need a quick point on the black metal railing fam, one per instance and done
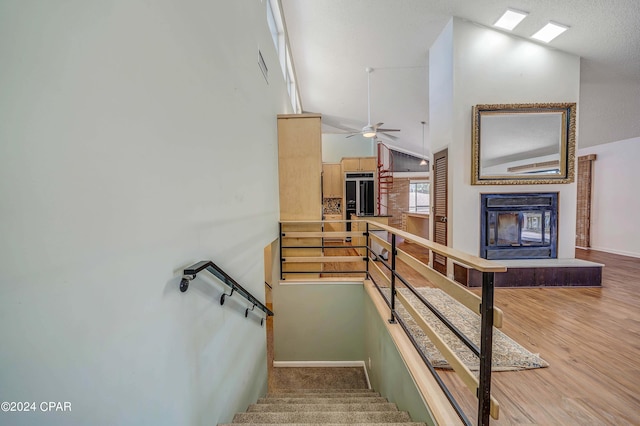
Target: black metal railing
(455, 330)
(322, 246)
(192, 271)
(484, 352)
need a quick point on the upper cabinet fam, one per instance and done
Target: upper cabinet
(331, 180)
(359, 164)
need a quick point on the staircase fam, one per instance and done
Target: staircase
(384, 175)
(324, 406)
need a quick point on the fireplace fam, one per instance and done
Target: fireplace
(519, 226)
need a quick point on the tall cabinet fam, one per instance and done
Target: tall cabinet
(300, 171)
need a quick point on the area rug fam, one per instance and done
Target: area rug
(508, 355)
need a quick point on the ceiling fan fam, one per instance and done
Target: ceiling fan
(370, 131)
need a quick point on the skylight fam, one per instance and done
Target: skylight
(550, 31)
(510, 19)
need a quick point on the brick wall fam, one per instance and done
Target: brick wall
(398, 201)
(583, 219)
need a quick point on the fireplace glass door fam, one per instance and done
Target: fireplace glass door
(515, 229)
(524, 228)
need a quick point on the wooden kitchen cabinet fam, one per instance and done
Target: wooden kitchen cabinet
(368, 164)
(351, 164)
(332, 180)
(333, 226)
(359, 164)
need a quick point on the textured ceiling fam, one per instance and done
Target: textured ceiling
(333, 41)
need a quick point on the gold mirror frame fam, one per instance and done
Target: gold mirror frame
(566, 144)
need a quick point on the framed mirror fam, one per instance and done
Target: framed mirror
(523, 144)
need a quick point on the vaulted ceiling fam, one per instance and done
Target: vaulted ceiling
(334, 41)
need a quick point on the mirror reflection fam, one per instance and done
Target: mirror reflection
(523, 143)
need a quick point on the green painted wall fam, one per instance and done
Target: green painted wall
(387, 371)
(318, 322)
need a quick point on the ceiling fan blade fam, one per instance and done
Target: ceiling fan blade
(388, 130)
(351, 135)
(388, 136)
(341, 123)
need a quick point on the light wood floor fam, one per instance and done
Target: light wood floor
(589, 336)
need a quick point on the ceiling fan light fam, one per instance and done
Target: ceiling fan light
(368, 132)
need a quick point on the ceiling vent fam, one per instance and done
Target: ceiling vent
(263, 66)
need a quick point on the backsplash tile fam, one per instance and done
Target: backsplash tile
(333, 206)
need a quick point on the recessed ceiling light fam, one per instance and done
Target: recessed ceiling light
(510, 19)
(550, 31)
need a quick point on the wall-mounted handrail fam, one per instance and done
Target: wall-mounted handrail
(192, 271)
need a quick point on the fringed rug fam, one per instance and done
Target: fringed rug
(507, 354)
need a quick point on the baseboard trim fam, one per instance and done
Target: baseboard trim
(613, 251)
(366, 375)
(302, 364)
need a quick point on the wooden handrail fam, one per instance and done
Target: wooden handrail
(467, 377)
(323, 259)
(453, 289)
(475, 262)
(319, 234)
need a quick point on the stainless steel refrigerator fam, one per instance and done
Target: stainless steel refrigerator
(360, 194)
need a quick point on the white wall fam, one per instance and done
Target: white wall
(489, 67)
(610, 105)
(441, 76)
(336, 146)
(136, 138)
(616, 199)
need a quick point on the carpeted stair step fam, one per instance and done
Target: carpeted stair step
(325, 390)
(349, 403)
(286, 408)
(324, 394)
(314, 400)
(340, 417)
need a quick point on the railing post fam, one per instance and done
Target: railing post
(392, 320)
(366, 251)
(486, 349)
(280, 237)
